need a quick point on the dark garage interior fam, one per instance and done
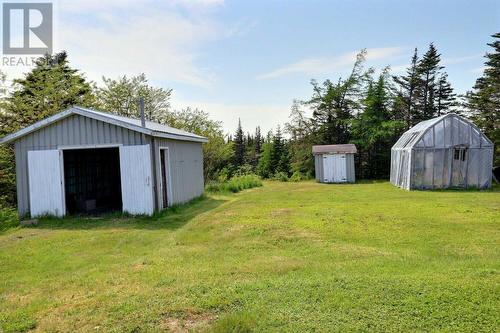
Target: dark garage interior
(92, 180)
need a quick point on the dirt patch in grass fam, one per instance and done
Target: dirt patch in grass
(358, 251)
(142, 264)
(23, 235)
(187, 321)
(282, 212)
(291, 234)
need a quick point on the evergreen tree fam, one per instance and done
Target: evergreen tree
(374, 131)
(407, 92)
(269, 136)
(445, 98)
(278, 148)
(484, 99)
(253, 148)
(7, 165)
(49, 88)
(424, 92)
(284, 162)
(258, 141)
(7, 176)
(428, 68)
(239, 147)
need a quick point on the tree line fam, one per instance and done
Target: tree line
(371, 111)
(368, 109)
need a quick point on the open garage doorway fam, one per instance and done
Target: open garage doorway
(92, 180)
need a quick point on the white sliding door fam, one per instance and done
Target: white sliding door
(137, 187)
(45, 173)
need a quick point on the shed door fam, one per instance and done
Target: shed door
(45, 183)
(339, 168)
(135, 172)
(328, 168)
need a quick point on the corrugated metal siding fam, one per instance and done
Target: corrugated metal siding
(186, 168)
(72, 131)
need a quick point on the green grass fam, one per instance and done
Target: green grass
(286, 257)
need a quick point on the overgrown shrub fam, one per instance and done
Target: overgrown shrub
(235, 184)
(7, 177)
(280, 176)
(8, 218)
(297, 177)
(223, 175)
(245, 169)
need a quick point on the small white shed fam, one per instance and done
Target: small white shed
(334, 163)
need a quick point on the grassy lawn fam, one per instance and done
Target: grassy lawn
(286, 257)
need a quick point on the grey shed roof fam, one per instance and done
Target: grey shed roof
(348, 148)
(151, 128)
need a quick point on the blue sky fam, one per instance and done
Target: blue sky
(250, 59)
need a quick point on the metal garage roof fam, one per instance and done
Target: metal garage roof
(151, 128)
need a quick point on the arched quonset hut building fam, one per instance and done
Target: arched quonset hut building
(447, 151)
(82, 160)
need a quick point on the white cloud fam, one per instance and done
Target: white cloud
(478, 70)
(241, 28)
(79, 6)
(399, 69)
(457, 60)
(251, 115)
(330, 64)
(130, 37)
(87, 5)
(197, 3)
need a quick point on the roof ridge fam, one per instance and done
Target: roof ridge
(154, 129)
(137, 119)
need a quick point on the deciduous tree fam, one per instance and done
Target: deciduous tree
(334, 104)
(121, 96)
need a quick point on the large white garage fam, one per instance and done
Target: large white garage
(82, 161)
